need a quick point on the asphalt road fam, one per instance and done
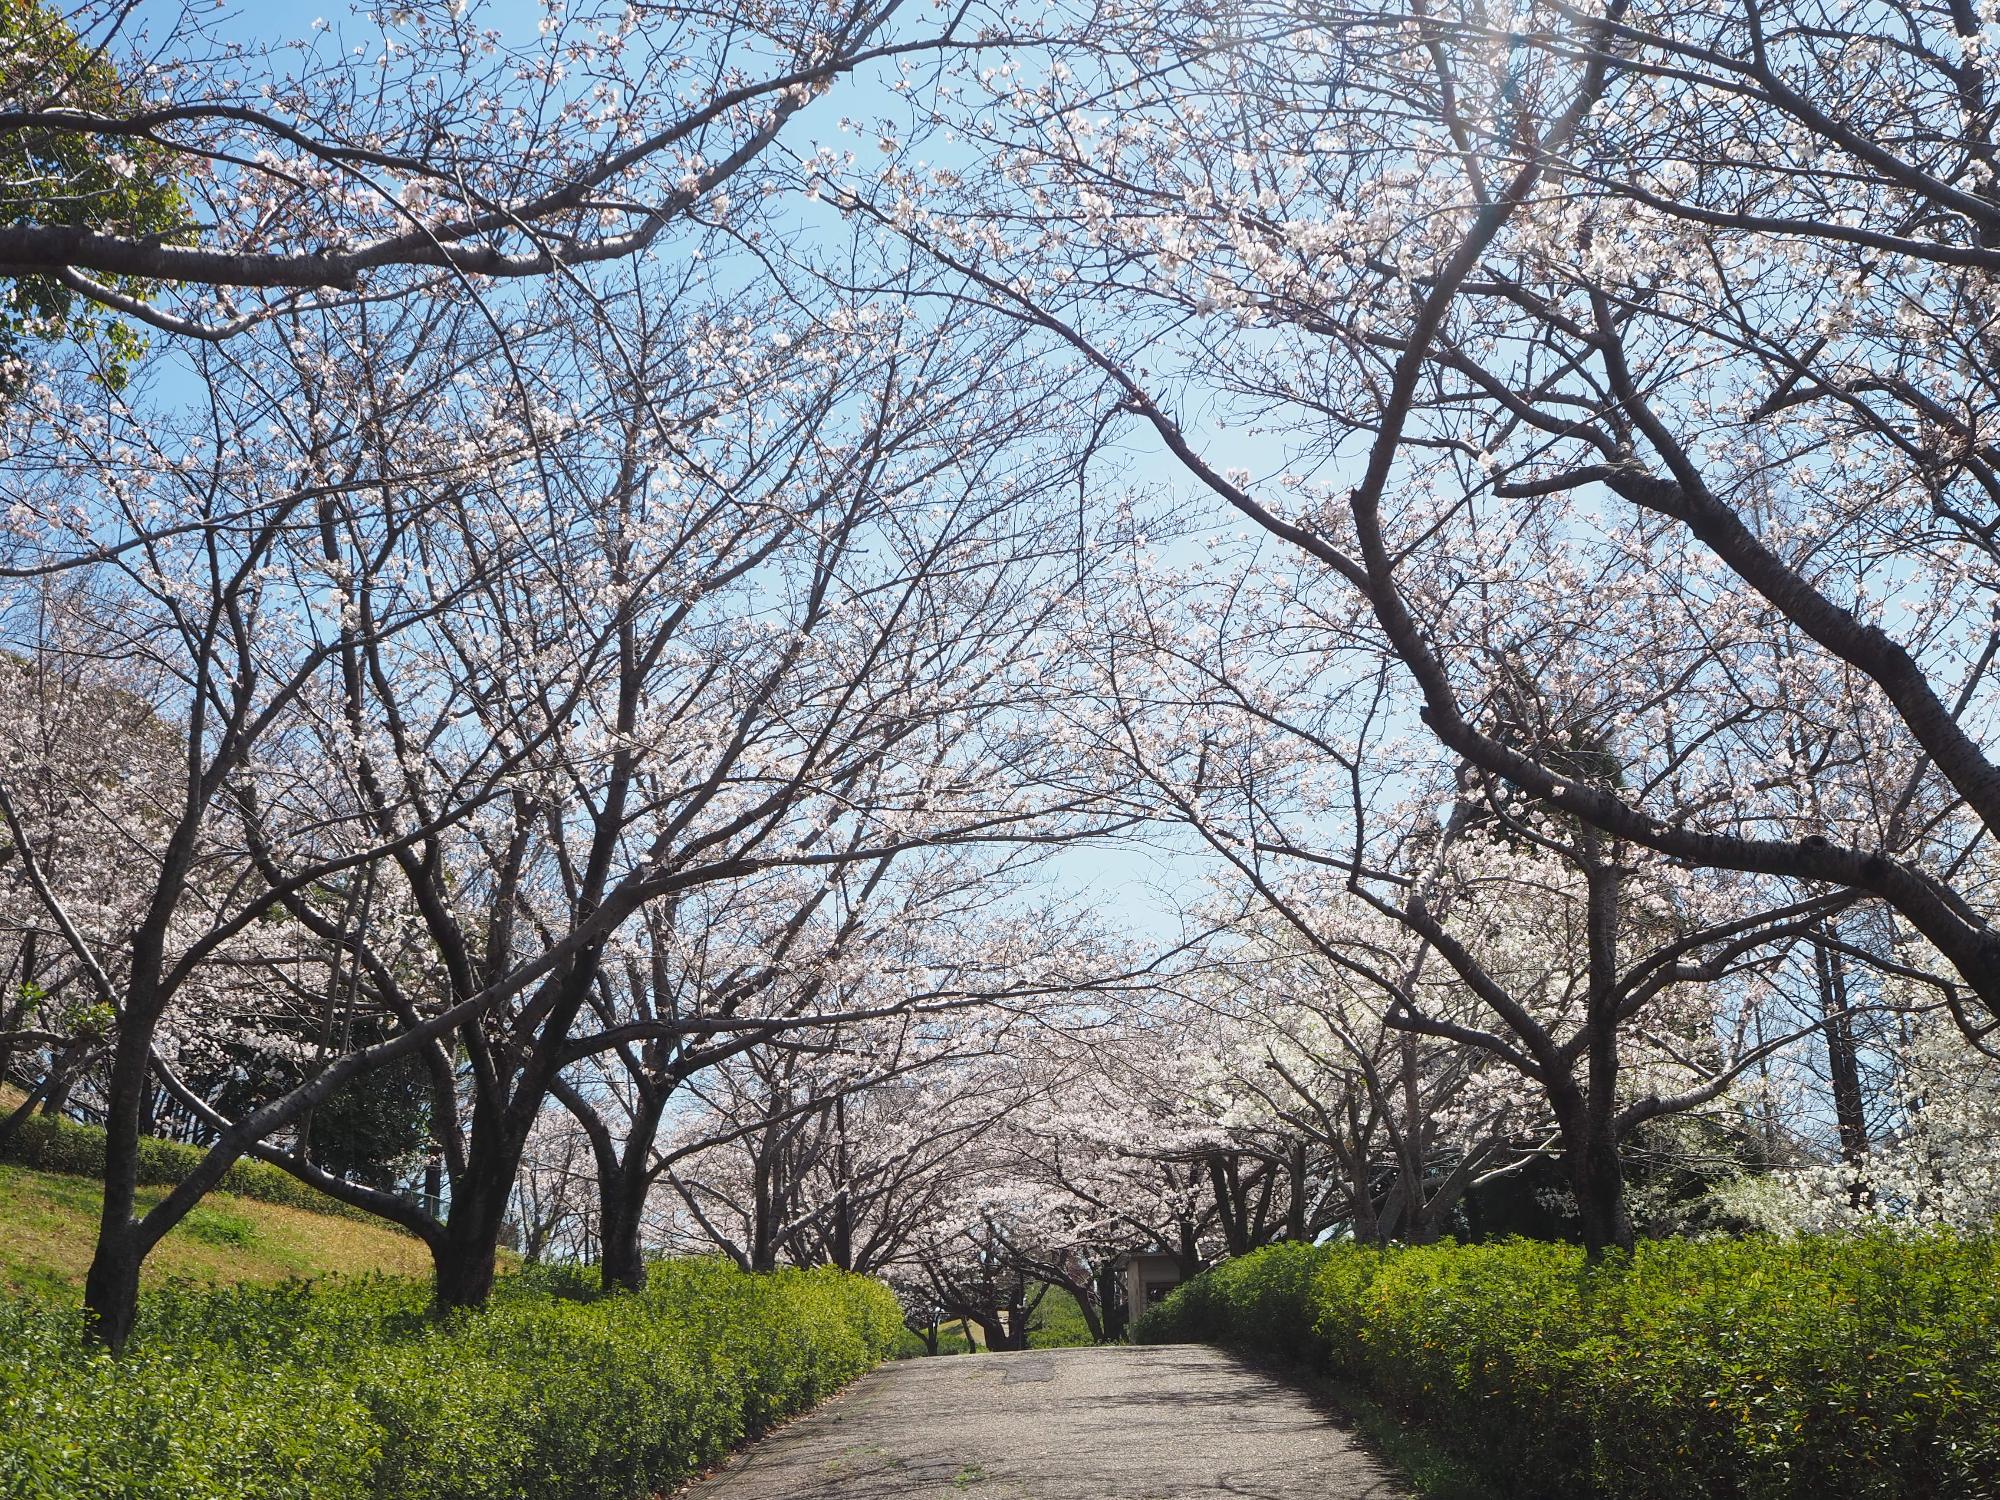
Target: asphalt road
(1173, 1422)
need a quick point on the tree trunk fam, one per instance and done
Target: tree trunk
(1425, 1224)
(1229, 1203)
(56, 1100)
(621, 1208)
(1843, 1061)
(1600, 1199)
(1596, 1177)
(840, 1240)
(1112, 1311)
(1295, 1206)
(764, 1204)
(16, 1118)
(1089, 1306)
(465, 1260)
(466, 1256)
(111, 1289)
(1361, 1206)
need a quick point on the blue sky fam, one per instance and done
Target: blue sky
(1140, 887)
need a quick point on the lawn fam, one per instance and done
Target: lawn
(48, 1224)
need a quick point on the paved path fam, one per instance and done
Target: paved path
(1174, 1422)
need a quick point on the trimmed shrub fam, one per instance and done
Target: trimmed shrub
(346, 1390)
(1759, 1369)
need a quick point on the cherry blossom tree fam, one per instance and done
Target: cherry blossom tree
(1402, 1125)
(491, 634)
(411, 149)
(227, 547)
(92, 776)
(778, 602)
(781, 1007)
(1617, 987)
(840, 1153)
(1555, 382)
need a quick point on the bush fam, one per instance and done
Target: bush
(1865, 1367)
(47, 1143)
(345, 1390)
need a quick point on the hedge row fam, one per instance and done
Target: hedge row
(345, 1390)
(1864, 1367)
(50, 1144)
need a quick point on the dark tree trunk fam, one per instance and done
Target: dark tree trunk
(1295, 1207)
(56, 1100)
(840, 1234)
(1187, 1254)
(1596, 1176)
(1230, 1205)
(1361, 1206)
(1599, 1184)
(16, 1118)
(1843, 1058)
(765, 1199)
(111, 1289)
(1113, 1311)
(840, 1239)
(1425, 1226)
(928, 1332)
(466, 1256)
(465, 1260)
(621, 1208)
(1088, 1304)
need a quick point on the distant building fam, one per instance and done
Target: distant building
(1148, 1276)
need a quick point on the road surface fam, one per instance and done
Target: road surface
(1166, 1422)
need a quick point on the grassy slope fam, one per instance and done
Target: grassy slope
(48, 1228)
(1057, 1323)
(48, 1223)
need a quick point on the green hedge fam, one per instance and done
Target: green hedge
(346, 1390)
(1865, 1367)
(49, 1144)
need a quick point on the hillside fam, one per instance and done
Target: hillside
(48, 1225)
(48, 1222)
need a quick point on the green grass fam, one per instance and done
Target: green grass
(48, 1228)
(1057, 1323)
(52, 1144)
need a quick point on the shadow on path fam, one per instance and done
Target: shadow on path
(1171, 1422)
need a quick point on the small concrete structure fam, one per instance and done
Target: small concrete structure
(1149, 1276)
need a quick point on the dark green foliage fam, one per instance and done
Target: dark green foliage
(49, 1144)
(1866, 1367)
(339, 1391)
(1057, 1322)
(368, 1131)
(72, 178)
